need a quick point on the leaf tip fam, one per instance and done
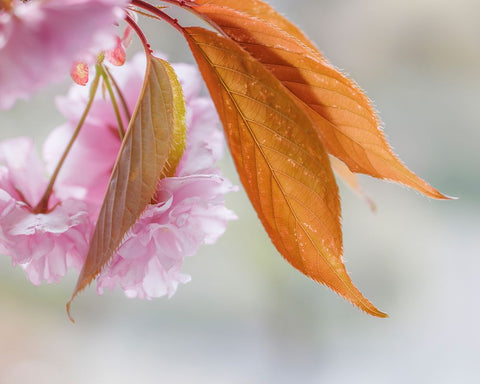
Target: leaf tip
(81, 284)
(437, 195)
(446, 197)
(368, 307)
(351, 293)
(379, 314)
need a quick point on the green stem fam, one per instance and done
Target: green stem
(126, 110)
(108, 85)
(42, 206)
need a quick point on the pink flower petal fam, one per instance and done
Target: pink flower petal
(190, 80)
(148, 262)
(205, 145)
(45, 244)
(117, 55)
(39, 41)
(25, 171)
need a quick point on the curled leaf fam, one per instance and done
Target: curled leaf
(179, 137)
(142, 157)
(280, 159)
(343, 115)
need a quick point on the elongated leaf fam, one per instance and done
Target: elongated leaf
(280, 159)
(142, 158)
(343, 116)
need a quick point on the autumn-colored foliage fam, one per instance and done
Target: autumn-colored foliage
(285, 109)
(281, 161)
(343, 115)
(290, 117)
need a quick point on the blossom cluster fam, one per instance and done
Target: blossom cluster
(189, 208)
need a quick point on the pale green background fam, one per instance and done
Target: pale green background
(247, 316)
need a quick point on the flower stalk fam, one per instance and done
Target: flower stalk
(123, 101)
(42, 206)
(106, 80)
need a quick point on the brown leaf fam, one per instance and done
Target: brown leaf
(280, 159)
(143, 156)
(343, 115)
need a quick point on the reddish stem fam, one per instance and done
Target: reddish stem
(187, 5)
(140, 34)
(180, 3)
(157, 12)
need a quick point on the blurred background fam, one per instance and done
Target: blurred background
(247, 316)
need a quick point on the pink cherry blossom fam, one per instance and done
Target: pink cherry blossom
(45, 244)
(40, 41)
(98, 143)
(192, 212)
(191, 208)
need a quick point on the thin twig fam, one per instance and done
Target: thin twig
(108, 85)
(120, 94)
(42, 206)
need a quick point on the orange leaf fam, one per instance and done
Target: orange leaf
(143, 156)
(280, 159)
(258, 9)
(344, 117)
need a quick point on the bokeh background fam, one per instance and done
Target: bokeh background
(247, 316)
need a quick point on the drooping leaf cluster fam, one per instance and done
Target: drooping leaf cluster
(285, 111)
